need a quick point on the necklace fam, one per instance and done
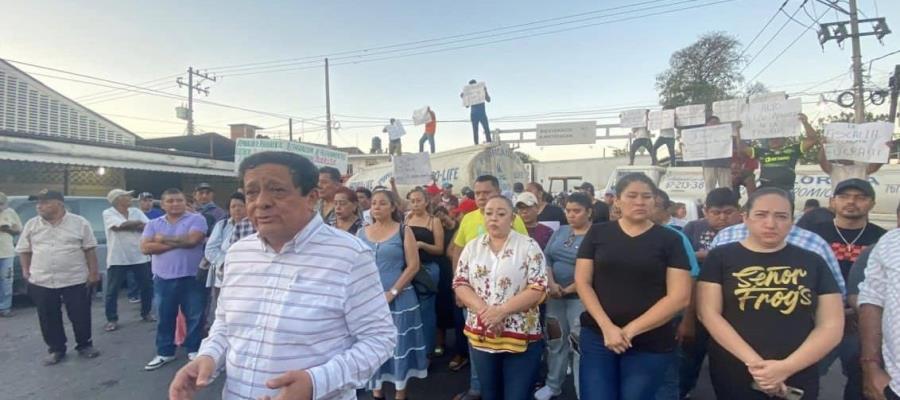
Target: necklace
(850, 244)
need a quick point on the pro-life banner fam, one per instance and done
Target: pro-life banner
(706, 143)
(633, 118)
(692, 115)
(662, 119)
(421, 116)
(771, 119)
(320, 156)
(729, 110)
(858, 142)
(474, 94)
(412, 169)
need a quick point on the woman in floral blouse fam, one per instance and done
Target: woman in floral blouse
(501, 278)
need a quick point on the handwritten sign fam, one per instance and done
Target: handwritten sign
(421, 116)
(729, 110)
(395, 130)
(768, 97)
(771, 119)
(320, 156)
(659, 120)
(707, 143)
(633, 118)
(412, 169)
(692, 115)
(474, 94)
(858, 142)
(566, 133)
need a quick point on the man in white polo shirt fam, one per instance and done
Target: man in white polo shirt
(879, 320)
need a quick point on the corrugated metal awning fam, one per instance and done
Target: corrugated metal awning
(100, 162)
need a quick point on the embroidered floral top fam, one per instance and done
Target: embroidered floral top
(496, 278)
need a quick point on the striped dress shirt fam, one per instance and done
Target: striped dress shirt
(317, 306)
(881, 288)
(799, 237)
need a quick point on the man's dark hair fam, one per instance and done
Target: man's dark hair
(581, 199)
(633, 177)
(472, 82)
(812, 203)
(665, 202)
(364, 191)
(170, 192)
(767, 191)
(332, 172)
(712, 117)
(304, 173)
(489, 178)
(537, 186)
(235, 196)
(722, 197)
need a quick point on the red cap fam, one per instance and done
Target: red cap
(466, 206)
(432, 190)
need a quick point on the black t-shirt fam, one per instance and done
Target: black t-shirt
(600, 213)
(777, 165)
(770, 299)
(815, 217)
(845, 253)
(630, 277)
(553, 213)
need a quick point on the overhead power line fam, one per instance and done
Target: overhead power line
(771, 39)
(791, 44)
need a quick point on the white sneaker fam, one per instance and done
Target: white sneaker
(192, 356)
(157, 362)
(545, 393)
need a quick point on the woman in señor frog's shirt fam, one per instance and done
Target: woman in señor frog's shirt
(773, 309)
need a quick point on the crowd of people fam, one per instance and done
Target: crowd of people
(305, 288)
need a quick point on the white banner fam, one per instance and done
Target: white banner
(659, 120)
(567, 133)
(320, 156)
(768, 97)
(412, 169)
(729, 110)
(474, 94)
(863, 142)
(771, 119)
(692, 115)
(395, 130)
(421, 116)
(633, 118)
(707, 143)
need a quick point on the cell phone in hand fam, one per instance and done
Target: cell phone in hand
(791, 393)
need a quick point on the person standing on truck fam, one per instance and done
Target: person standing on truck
(640, 137)
(841, 170)
(778, 161)
(666, 138)
(717, 172)
(430, 129)
(478, 115)
(395, 132)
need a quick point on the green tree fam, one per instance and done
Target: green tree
(704, 72)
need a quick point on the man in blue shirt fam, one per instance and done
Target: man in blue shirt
(145, 200)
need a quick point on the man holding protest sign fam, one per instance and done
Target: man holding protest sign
(430, 128)
(474, 96)
(716, 172)
(778, 161)
(640, 137)
(395, 132)
(853, 151)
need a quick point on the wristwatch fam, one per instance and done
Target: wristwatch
(394, 292)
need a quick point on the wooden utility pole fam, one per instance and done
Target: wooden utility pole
(327, 103)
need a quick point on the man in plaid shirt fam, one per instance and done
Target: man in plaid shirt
(242, 229)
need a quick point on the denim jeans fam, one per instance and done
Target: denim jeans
(508, 376)
(427, 305)
(480, 117)
(134, 290)
(115, 277)
(426, 138)
(633, 375)
(681, 377)
(189, 295)
(474, 383)
(6, 283)
(567, 313)
(849, 352)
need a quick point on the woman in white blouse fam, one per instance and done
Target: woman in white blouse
(501, 279)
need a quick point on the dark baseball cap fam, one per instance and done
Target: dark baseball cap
(855, 183)
(204, 186)
(46, 194)
(145, 195)
(587, 187)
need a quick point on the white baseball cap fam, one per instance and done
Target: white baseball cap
(115, 193)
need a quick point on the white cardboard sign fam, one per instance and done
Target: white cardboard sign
(772, 119)
(633, 118)
(421, 116)
(707, 143)
(662, 119)
(567, 133)
(412, 169)
(474, 94)
(320, 156)
(729, 110)
(767, 97)
(692, 115)
(395, 131)
(858, 142)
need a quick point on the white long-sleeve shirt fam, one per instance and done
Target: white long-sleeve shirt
(881, 288)
(318, 306)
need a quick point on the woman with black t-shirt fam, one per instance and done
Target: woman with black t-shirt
(548, 214)
(633, 276)
(773, 309)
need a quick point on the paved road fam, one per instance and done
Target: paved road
(118, 373)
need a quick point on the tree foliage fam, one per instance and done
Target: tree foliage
(704, 72)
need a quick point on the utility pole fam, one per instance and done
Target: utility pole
(290, 129)
(327, 103)
(895, 91)
(859, 106)
(191, 88)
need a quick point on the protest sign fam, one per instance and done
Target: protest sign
(421, 116)
(858, 142)
(633, 118)
(771, 119)
(474, 94)
(395, 130)
(692, 115)
(566, 133)
(659, 120)
(412, 169)
(706, 143)
(767, 97)
(729, 110)
(320, 156)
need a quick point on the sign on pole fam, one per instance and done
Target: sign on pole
(412, 169)
(707, 143)
(474, 94)
(659, 120)
(633, 118)
(421, 116)
(858, 142)
(767, 97)
(320, 156)
(771, 119)
(692, 115)
(567, 133)
(729, 110)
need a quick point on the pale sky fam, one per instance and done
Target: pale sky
(587, 73)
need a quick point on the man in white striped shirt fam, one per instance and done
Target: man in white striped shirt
(879, 320)
(302, 314)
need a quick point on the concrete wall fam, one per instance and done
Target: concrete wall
(593, 170)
